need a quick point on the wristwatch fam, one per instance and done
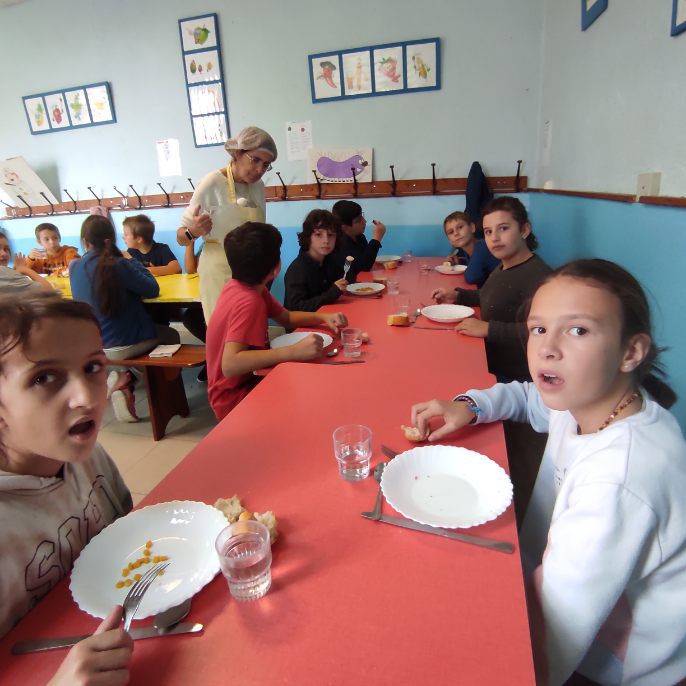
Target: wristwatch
(189, 235)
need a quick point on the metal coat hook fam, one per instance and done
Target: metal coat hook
(52, 207)
(72, 199)
(352, 169)
(14, 209)
(285, 190)
(93, 194)
(126, 199)
(319, 183)
(165, 194)
(519, 166)
(189, 181)
(140, 202)
(27, 205)
(433, 178)
(394, 185)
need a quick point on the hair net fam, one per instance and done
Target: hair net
(252, 138)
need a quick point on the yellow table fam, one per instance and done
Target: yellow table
(175, 288)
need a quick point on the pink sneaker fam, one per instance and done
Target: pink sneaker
(124, 403)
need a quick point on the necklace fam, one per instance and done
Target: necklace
(617, 410)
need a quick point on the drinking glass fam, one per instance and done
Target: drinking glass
(352, 342)
(407, 256)
(352, 445)
(393, 286)
(245, 558)
(401, 304)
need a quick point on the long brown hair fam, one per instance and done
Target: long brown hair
(635, 316)
(98, 235)
(507, 203)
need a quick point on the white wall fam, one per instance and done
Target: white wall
(486, 110)
(615, 96)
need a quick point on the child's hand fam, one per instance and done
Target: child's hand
(443, 295)
(379, 230)
(36, 254)
(473, 327)
(455, 415)
(335, 320)
(102, 658)
(309, 348)
(19, 260)
(202, 223)
(341, 284)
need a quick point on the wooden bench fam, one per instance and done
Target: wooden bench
(164, 384)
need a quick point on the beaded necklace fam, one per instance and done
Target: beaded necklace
(617, 410)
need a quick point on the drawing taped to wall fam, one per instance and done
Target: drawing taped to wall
(337, 165)
(357, 72)
(198, 33)
(388, 63)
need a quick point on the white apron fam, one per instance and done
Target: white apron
(213, 268)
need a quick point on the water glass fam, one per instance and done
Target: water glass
(393, 286)
(401, 304)
(352, 342)
(245, 558)
(352, 445)
(407, 256)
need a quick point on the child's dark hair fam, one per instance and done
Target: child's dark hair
(253, 250)
(635, 314)
(507, 203)
(19, 314)
(318, 219)
(457, 217)
(141, 226)
(47, 226)
(98, 235)
(346, 211)
(4, 235)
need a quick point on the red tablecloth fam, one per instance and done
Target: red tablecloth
(352, 601)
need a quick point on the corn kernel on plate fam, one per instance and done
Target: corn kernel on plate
(182, 531)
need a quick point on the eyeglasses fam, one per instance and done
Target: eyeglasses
(257, 162)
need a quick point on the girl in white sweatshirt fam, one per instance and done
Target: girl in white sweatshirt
(604, 537)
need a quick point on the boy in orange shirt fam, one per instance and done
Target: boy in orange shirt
(51, 257)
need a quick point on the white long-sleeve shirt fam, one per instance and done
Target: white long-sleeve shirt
(604, 540)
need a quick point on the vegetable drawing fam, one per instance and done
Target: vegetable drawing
(333, 170)
(328, 69)
(420, 67)
(388, 66)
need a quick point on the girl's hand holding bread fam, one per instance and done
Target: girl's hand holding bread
(455, 415)
(443, 295)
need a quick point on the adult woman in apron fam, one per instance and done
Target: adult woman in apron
(223, 200)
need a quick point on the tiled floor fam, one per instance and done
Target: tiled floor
(144, 462)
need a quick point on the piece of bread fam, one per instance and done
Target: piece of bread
(364, 336)
(390, 265)
(447, 263)
(230, 507)
(398, 320)
(380, 279)
(412, 433)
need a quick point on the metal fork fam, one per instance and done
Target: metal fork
(136, 593)
(346, 267)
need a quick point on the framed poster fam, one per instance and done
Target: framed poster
(389, 74)
(357, 72)
(198, 33)
(37, 114)
(678, 16)
(422, 65)
(325, 76)
(590, 11)
(77, 104)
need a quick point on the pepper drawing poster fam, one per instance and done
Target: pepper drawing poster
(388, 69)
(326, 77)
(357, 72)
(336, 165)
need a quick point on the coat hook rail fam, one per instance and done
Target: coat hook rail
(27, 205)
(165, 194)
(285, 189)
(191, 182)
(140, 202)
(94, 195)
(319, 183)
(52, 207)
(125, 200)
(72, 199)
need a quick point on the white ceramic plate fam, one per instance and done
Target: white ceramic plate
(447, 314)
(183, 530)
(452, 269)
(388, 258)
(443, 485)
(362, 288)
(291, 338)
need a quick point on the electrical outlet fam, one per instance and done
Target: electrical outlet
(648, 184)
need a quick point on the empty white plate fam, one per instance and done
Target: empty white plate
(291, 338)
(447, 314)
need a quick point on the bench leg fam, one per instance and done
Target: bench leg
(166, 397)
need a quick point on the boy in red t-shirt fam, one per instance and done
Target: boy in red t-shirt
(237, 332)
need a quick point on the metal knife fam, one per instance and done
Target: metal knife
(434, 328)
(343, 362)
(500, 546)
(24, 647)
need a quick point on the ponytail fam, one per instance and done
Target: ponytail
(98, 234)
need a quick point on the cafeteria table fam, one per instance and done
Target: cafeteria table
(353, 601)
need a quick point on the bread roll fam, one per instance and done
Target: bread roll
(398, 320)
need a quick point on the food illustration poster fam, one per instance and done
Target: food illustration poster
(37, 114)
(17, 178)
(206, 99)
(78, 107)
(335, 166)
(326, 76)
(210, 130)
(99, 102)
(57, 111)
(421, 65)
(357, 72)
(199, 32)
(388, 69)
(202, 66)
